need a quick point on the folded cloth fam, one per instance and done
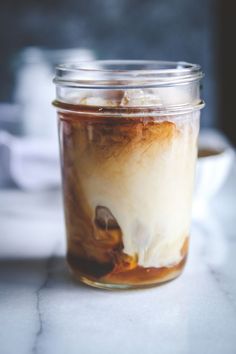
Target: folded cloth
(29, 163)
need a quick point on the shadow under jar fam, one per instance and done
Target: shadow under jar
(128, 138)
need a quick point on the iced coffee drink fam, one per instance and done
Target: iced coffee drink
(128, 142)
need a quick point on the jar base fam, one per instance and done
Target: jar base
(122, 286)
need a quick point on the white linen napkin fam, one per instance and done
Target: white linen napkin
(30, 163)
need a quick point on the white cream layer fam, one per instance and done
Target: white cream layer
(149, 194)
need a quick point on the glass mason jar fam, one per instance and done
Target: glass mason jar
(128, 137)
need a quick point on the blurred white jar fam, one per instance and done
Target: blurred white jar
(34, 91)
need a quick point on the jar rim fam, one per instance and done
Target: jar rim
(125, 74)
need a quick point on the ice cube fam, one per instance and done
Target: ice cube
(174, 96)
(140, 98)
(104, 218)
(95, 101)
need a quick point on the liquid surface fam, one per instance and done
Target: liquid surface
(208, 152)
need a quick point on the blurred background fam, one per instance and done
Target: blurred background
(36, 35)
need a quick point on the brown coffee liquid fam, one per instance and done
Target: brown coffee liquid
(95, 246)
(208, 152)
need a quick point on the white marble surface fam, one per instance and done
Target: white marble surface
(42, 310)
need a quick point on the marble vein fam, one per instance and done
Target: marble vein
(39, 312)
(214, 273)
(218, 280)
